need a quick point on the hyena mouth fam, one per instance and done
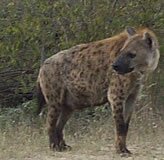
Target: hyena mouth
(125, 71)
(131, 69)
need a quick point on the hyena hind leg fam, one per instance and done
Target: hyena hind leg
(57, 118)
(52, 117)
(63, 118)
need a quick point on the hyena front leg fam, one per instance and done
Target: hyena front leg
(129, 106)
(117, 101)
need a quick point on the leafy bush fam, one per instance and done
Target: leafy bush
(12, 117)
(32, 30)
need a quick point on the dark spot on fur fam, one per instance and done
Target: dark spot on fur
(48, 97)
(100, 51)
(97, 70)
(114, 116)
(113, 91)
(119, 103)
(51, 98)
(48, 80)
(89, 65)
(53, 106)
(83, 48)
(121, 91)
(119, 110)
(46, 86)
(67, 60)
(45, 73)
(88, 51)
(51, 116)
(115, 85)
(115, 98)
(120, 97)
(52, 75)
(99, 45)
(111, 83)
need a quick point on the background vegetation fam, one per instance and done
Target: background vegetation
(32, 30)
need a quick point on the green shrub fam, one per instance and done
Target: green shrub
(32, 30)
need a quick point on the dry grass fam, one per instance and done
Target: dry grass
(92, 142)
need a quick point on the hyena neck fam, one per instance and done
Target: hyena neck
(138, 77)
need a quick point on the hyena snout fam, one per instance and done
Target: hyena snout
(122, 65)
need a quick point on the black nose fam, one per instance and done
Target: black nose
(115, 67)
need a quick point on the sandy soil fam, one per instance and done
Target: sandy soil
(88, 143)
(151, 148)
(141, 153)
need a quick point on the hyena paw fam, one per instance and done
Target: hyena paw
(124, 152)
(60, 147)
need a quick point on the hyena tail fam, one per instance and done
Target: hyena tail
(40, 100)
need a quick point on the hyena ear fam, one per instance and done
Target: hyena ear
(148, 38)
(130, 31)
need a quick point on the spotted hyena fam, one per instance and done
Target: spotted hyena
(110, 70)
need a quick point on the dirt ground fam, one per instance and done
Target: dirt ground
(89, 141)
(141, 152)
(29, 145)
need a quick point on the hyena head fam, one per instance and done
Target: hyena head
(140, 53)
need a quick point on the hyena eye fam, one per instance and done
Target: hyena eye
(131, 55)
